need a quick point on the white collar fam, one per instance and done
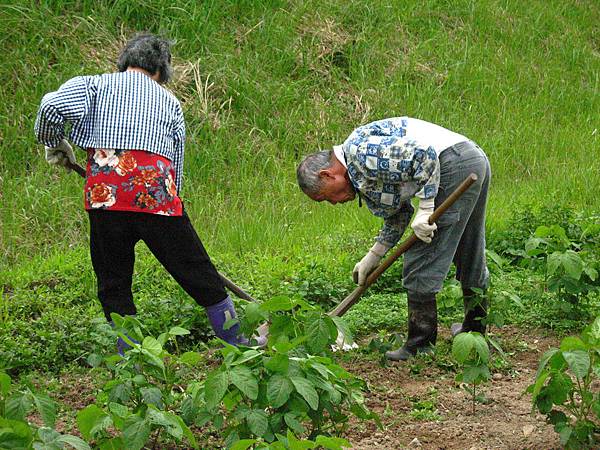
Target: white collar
(339, 154)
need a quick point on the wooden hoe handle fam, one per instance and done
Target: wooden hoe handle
(345, 304)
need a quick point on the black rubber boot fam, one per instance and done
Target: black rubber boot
(475, 310)
(422, 327)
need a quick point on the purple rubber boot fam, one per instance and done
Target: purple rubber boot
(218, 315)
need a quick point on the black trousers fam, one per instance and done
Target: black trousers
(174, 242)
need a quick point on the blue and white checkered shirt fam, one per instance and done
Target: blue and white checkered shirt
(123, 111)
(393, 160)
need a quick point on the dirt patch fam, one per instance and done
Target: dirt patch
(448, 421)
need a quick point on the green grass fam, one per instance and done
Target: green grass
(265, 82)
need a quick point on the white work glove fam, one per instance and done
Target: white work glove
(370, 261)
(420, 223)
(60, 154)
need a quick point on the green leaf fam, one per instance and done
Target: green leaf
(298, 444)
(595, 328)
(17, 406)
(73, 441)
(14, 434)
(291, 420)
(462, 345)
(91, 420)
(319, 334)
(332, 443)
(258, 421)
(190, 358)
(481, 347)
(558, 388)
(215, 387)
(94, 359)
(112, 444)
(178, 331)
(243, 378)
(343, 328)
(307, 391)
(248, 355)
(243, 444)
(4, 384)
(152, 396)
(136, 432)
(278, 363)
(279, 389)
(572, 343)
(278, 303)
(578, 361)
(46, 407)
(573, 264)
(166, 420)
(152, 345)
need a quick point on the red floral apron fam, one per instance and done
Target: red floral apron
(131, 180)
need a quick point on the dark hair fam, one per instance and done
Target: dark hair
(148, 52)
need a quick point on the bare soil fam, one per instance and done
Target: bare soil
(504, 422)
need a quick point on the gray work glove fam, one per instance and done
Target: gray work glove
(370, 261)
(420, 223)
(60, 154)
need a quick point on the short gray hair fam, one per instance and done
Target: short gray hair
(148, 52)
(308, 170)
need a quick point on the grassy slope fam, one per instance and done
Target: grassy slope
(264, 82)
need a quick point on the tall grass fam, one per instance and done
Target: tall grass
(264, 82)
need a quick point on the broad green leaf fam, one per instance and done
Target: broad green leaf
(291, 420)
(152, 396)
(136, 432)
(462, 345)
(332, 443)
(14, 434)
(298, 444)
(307, 391)
(94, 359)
(178, 331)
(152, 345)
(215, 387)
(243, 378)
(544, 360)
(116, 443)
(4, 384)
(278, 363)
(248, 355)
(595, 328)
(319, 335)
(481, 347)
(343, 328)
(73, 441)
(572, 343)
(187, 433)
(578, 361)
(279, 389)
(91, 420)
(17, 406)
(258, 421)
(243, 444)
(167, 421)
(190, 358)
(46, 407)
(278, 303)
(558, 388)
(152, 358)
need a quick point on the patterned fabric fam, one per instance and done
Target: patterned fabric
(124, 110)
(131, 180)
(391, 161)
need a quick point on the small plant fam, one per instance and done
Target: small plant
(17, 432)
(142, 400)
(292, 386)
(563, 388)
(472, 351)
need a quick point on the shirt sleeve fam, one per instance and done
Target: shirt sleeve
(179, 145)
(69, 103)
(395, 222)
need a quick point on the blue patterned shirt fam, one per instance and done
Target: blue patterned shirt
(391, 161)
(121, 111)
